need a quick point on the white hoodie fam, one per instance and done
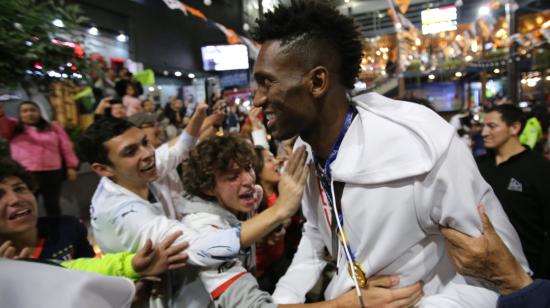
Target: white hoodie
(406, 172)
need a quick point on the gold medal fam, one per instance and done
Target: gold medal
(360, 275)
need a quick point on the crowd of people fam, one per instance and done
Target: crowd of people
(379, 201)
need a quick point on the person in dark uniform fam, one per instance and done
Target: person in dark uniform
(521, 181)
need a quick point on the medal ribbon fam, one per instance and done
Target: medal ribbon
(337, 220)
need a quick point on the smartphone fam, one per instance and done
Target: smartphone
(213, 91)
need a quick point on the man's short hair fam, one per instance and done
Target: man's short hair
(92, 142)
(317, 34)
(214, 155)
(9, 167)
(509, 114)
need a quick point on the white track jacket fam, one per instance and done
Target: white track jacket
(406, 172)
(123, 221)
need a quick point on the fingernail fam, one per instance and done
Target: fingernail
(394, 280)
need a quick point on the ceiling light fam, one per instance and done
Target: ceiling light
(93, 31)
(121, 38)
(484, 11)
(191, 75)
(177, 74)
(58, 23)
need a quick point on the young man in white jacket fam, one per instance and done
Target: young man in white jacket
(387, 173)
(133, 201)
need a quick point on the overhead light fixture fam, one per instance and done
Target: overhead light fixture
(431, 76)
(191, 75)
(496, 71)
(93, 31)
(58, 23)
(468, 58)
(484, 11)
(458, 74)
(207, 2)
(151, 89)
(523, 104)
(532, 82)
(121, 38)
(177, 74)
(165, 72)
(474, 46)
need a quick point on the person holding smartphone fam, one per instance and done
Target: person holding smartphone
(110, 107)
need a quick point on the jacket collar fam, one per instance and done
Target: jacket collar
(390, 140)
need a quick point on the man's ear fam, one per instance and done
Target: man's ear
(319, 81)
(515, 128)
(102, 170)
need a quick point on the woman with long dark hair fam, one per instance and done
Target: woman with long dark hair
(44, 149)
(271, 262)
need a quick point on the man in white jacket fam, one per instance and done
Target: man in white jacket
(387, 173)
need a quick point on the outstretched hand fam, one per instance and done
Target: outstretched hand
(292, 182)
(8, 251)
(153, 261)
(201, 108)
(253, 117)
(485, 257)
(380, 293)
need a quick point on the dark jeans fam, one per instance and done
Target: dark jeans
(48, 184)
